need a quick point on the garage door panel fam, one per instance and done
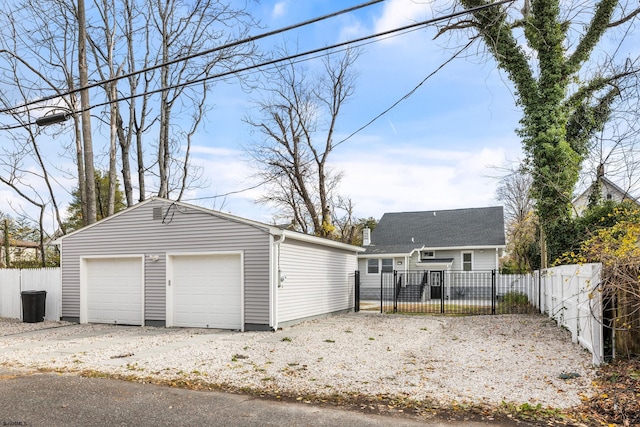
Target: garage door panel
(114, 290)
(207, 291)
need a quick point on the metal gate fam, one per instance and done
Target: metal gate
(450, 292)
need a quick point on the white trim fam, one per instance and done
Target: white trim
(385, 255)
(410, 254)
(262, 226)
(445, 265)
(317, 240)
(432, 256)
(462, 253)
(84, 314)
(169, 276)
(274, 278)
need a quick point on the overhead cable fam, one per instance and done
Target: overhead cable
(195, 55)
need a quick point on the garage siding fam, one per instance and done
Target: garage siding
(183, 229)
(317, 280)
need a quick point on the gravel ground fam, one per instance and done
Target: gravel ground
(445, 360)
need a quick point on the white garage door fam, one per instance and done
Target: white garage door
(205, 291)
(114, 290)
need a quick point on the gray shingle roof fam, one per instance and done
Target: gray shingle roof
(402, 232)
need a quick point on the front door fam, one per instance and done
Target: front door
(435, 281)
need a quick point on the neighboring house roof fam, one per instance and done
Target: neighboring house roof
(404, 232)
(272, 229)
(610, 191)
(23, 244)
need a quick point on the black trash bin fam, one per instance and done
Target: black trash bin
(33, 303)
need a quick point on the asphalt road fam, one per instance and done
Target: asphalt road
(49, 400)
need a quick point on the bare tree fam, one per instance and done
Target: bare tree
(87, 138)
(514, 191)
(106, 51)
(615, 152)
(297, 120)
(174, 41)
(23, 163)
(42, 48)
(183, 29)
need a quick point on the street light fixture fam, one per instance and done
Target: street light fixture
(52, 119)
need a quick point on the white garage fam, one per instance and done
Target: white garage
(205, 290)
(112, 290)
(168, 263)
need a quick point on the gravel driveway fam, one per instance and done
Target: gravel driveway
(444, 360)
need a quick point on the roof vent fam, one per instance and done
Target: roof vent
(157, 213)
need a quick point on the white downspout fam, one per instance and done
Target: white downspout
(275, 281)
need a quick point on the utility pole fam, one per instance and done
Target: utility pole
(89, 203)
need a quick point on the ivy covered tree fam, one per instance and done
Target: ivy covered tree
(545, 47)
(75, 212)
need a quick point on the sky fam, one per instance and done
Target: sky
(442, 148)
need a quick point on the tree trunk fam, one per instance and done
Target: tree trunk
(7, 244)
(89, 171)
(544, 262)
(113, 177)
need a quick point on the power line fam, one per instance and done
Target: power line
(395, 104)
(195, 55)
(307, 53)
(407, 95)
(394, 31)
(267, 63)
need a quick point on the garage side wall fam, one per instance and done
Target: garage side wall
(314, 280)
(176, 229)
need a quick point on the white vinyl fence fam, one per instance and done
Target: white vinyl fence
(570, 295)
(528, 284)
(14, 281)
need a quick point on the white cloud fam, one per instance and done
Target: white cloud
(279, 9)
(398, 13)
(396, 180)
(378, 178)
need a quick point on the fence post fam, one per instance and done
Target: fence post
(356, 299)
(395, 291)
(381, 291)
(493, 292)
(442, 279)
(539, 292)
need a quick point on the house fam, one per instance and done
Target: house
(609, 191)
(169, 263)
(20, 251)
(431, 243)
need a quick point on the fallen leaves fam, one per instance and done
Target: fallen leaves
(617, 402)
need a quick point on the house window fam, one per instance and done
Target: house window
(372, 266)
(467, 261)
(427, 254)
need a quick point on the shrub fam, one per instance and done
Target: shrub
(514, 302)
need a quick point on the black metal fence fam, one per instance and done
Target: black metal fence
(450, 292)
